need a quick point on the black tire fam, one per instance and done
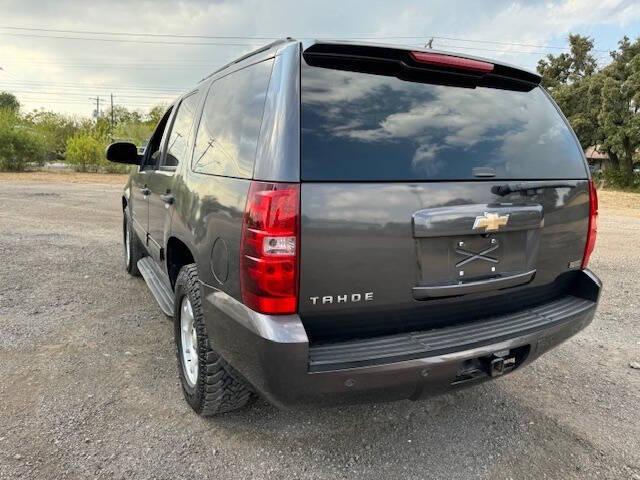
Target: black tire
(217, 389)
(135, 252)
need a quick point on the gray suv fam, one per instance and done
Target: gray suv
(332, 222)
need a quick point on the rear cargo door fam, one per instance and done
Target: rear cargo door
(429, 203)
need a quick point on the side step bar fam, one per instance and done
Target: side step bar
(158, 283)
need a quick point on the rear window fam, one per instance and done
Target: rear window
(364, 127)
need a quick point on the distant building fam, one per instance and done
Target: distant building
(597, 160)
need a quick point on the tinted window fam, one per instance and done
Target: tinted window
(179, 136)
(358, 126)
(228, 132)
(152, 151)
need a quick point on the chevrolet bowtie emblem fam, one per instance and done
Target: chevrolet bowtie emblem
(490, 221)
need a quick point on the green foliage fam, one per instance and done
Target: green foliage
(55, 129)
(135, 132)
(32, 139)
(123, 115)
(567, 68)
(20, 146)
(617, 179)
(155, 115)
(85, 153)
(601, 105)
(8, 101)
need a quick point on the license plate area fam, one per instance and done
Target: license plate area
(455, 249)
(474, 257)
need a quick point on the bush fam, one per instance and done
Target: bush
(19, 146)
(55, 129)
(137, 133)
(111, 167)
(616, 179)
(85, 153)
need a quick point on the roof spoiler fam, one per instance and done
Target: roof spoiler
(419, 65)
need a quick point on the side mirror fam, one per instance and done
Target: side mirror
(123, 152)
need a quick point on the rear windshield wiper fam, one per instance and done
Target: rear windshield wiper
(528, 187)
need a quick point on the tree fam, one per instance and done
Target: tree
(571, 67)
(19, 145)
(9, 101)
(618, 117)
(568, 77)
(602, 106)
(55, 130)
(122, 114)
(156, 114)
(85, 152)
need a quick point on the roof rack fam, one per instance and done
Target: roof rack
(250, 54)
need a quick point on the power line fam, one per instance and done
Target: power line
(127, 60)
(79, 100)
(73, 94)
(492, 50)
(118, 40)
(142, 67)
(266, 38)
(103, 64)
(83, 102)
(514, 43)
(138, 34)
(75, 85)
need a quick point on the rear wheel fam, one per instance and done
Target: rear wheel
(132, 248)
(207, 382)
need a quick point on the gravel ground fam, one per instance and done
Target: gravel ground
(89, 383)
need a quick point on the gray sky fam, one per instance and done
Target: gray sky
(62, 73)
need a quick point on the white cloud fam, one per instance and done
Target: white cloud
(29, 59)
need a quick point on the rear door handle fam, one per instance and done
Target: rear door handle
(168, 198)
(145, 191)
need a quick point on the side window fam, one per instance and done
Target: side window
(152, 150)
(228, 133)
(179, 135)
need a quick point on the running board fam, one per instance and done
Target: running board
(158, 283)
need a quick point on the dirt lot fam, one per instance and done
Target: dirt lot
(89, 384)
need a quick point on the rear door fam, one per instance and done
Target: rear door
(408, 218)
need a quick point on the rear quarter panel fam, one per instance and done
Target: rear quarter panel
(210, 209)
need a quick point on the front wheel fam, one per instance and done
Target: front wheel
(207, 382)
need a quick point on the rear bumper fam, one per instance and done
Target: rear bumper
(273, 353)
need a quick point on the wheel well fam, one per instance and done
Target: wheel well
(178, 255)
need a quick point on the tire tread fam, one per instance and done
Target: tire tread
(218, 389)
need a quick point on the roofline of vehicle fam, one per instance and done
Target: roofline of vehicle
(305, 44)
(270, 46)
(309, 43)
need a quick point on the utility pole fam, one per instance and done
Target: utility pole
(97, 99)
(112, 119)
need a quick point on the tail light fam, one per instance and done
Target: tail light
(593, 224)
(461, 63)
(269, 248)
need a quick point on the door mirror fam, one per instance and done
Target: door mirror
(123, 152)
